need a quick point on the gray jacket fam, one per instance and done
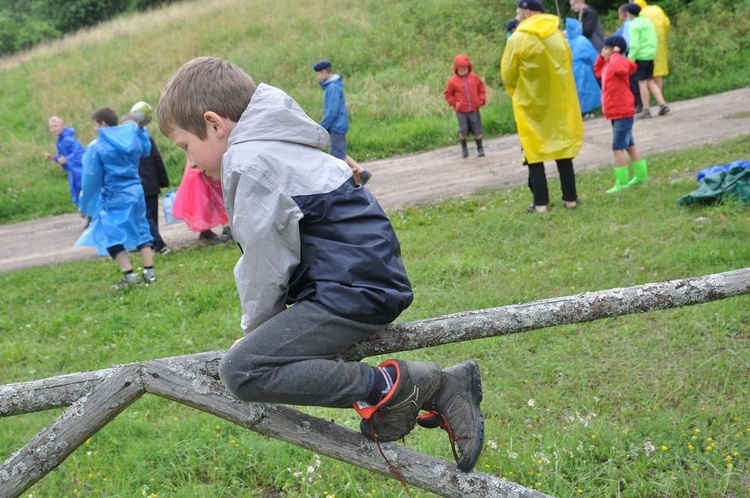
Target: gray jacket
(306, 229)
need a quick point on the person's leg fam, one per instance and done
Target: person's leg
(464, 127)
(477, 130)
(288, 360)
(120, 256)
(636, 93)
(147, 256)
(655, 89)
(291, 359)
(645, 97)
(152, 215)
(640, 166)
(538, 186)
(567, 182)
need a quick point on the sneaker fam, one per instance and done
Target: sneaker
(164, 250)
(226, 235)
(644, 114)
(456, 410)
(589, 116)
(127, 281)
(149, 276)
(480, 152)
(395, 415)
(663, 110)
(364, 177)
(209, 236)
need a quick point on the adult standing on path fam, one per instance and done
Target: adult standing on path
(590, 23)
(538, 75)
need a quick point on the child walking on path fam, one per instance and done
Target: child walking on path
(336, 117)
(466, 94)
(615, 70)
(112, 195)
(321, 265)
(69, 155)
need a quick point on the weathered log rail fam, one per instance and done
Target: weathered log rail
(95, 398)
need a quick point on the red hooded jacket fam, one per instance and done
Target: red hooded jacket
(466, 91)
(617, 99)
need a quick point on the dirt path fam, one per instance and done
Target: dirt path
(430, 176)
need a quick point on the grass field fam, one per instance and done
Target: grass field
(638, 406)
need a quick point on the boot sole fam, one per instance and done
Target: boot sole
(466, 463)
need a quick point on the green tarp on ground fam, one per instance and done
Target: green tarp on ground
(720, 182)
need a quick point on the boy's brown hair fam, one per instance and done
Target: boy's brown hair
(105, 115)
(201, 85)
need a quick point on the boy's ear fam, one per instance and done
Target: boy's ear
(216, 124)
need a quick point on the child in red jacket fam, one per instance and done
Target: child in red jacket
(465, 93)
(614, 70)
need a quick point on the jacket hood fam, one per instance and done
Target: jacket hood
(67, 132)
(541, 25)
(334, 78)
(274, 115)
(461, 60)
(573, 28)
(123, 137)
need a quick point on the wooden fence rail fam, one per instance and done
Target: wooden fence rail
(95, 398)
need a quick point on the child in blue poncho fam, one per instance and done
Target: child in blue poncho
(112, 194)
(69, 155)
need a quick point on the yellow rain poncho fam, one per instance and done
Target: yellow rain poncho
(537, 72)
(661, 23)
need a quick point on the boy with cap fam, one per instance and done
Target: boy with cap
(615, 70)
(335, 117)
(321, 266)
(643, 47)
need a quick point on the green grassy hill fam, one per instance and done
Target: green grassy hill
(395, 62)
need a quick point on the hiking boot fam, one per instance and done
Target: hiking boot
(149, 276)
(209, 236)
(480, 151)
(396, 414)
(644, 114)
(464, 151)
(456, 410)
(127, 281)
(663, 110)
(364, 177)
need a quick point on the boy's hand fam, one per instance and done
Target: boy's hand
(49, 157)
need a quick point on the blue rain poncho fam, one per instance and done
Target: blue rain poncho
(584, 55)
(112, 193)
